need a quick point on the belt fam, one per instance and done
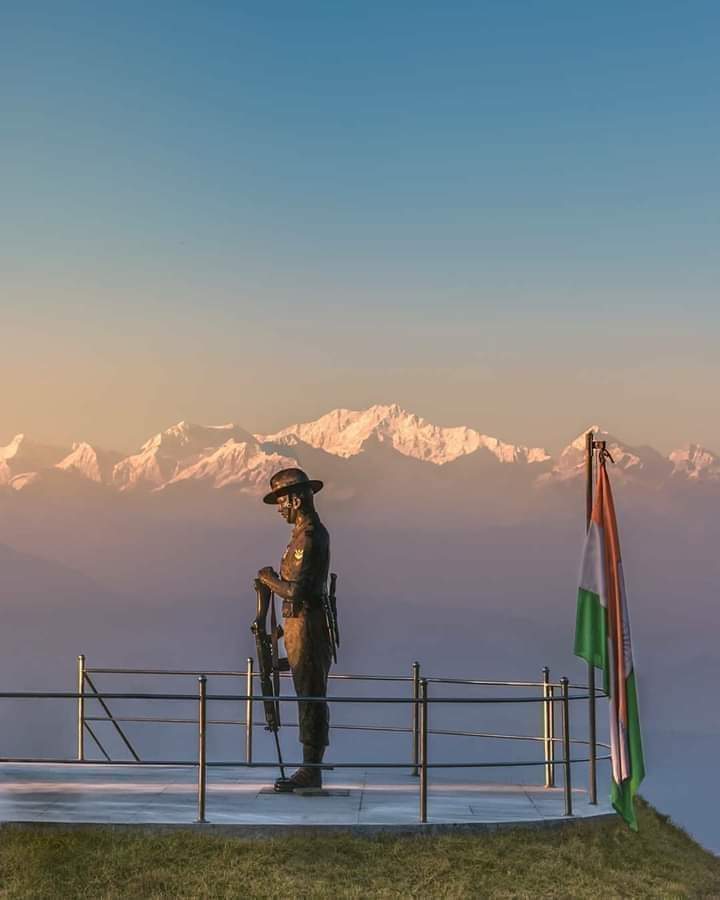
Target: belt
(292, 608)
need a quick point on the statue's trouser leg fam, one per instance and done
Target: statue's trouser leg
(309, 656)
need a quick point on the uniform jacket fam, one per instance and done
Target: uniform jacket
(305, 565)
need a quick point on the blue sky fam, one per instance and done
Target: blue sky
(501, 214)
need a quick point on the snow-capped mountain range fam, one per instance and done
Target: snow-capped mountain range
(222, 456)
(344, 432)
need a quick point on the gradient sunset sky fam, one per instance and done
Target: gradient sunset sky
(500, 214)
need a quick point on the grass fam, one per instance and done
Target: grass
(602, 860)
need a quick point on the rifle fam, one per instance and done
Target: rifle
(331, 621)
(269, 666)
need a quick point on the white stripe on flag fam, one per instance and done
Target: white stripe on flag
(592, 574)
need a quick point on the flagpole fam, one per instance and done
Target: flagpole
(592, 730)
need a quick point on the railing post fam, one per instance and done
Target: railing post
(249, 712)
(415, 717)
(592, 738)
(548, 729)
(566, 744)
(202, 747)
(81, 708)
(423, 748)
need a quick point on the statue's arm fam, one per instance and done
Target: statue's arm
(270, 578)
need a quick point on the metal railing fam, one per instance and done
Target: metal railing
(546, 692)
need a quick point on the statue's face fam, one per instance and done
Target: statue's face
(288, 507)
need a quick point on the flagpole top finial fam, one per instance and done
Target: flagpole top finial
(603, 452)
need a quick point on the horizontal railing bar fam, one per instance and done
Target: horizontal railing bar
(219, 673)
(471, 682)
(397, 765)
(190, 672)
(68, 695)
(62, 761)
(156, 721)
(291, 698)
(111, 695)
(339, 676)
(272, 764)
(505, 737)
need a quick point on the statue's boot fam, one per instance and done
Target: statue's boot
(306, 776)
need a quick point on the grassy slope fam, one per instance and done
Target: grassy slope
(604, 860)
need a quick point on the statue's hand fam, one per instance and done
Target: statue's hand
(267, 572)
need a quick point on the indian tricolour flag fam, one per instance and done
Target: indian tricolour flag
(602, 637)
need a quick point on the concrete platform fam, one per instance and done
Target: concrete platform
(376, 800)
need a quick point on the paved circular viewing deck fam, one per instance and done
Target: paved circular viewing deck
(357, 800)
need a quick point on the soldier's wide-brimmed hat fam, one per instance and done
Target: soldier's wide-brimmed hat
(285, 480)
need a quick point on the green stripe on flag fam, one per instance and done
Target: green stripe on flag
(591, 631)
(622, 795)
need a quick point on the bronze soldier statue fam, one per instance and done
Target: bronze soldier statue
(302, 585)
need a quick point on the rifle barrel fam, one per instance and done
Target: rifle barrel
(266, 669)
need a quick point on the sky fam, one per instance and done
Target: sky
(499, 214)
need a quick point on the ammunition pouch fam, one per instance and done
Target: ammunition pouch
(291, 609)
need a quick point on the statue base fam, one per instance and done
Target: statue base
(307, 792)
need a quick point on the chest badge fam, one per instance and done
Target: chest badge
(299, 554)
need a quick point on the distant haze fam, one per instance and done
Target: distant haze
(67, 400)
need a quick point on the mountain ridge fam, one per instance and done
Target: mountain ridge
(343, 432)
(228, 456)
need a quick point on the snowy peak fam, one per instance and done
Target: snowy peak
(166, 454)
(628, 461)
(579, 443)
(241, 464)
(344, 432)
(696, 463)
(185, 438)
(23, 455)
(10, 451)
(341, 432)
(147, 469)
(571, 463)
(89, 462)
